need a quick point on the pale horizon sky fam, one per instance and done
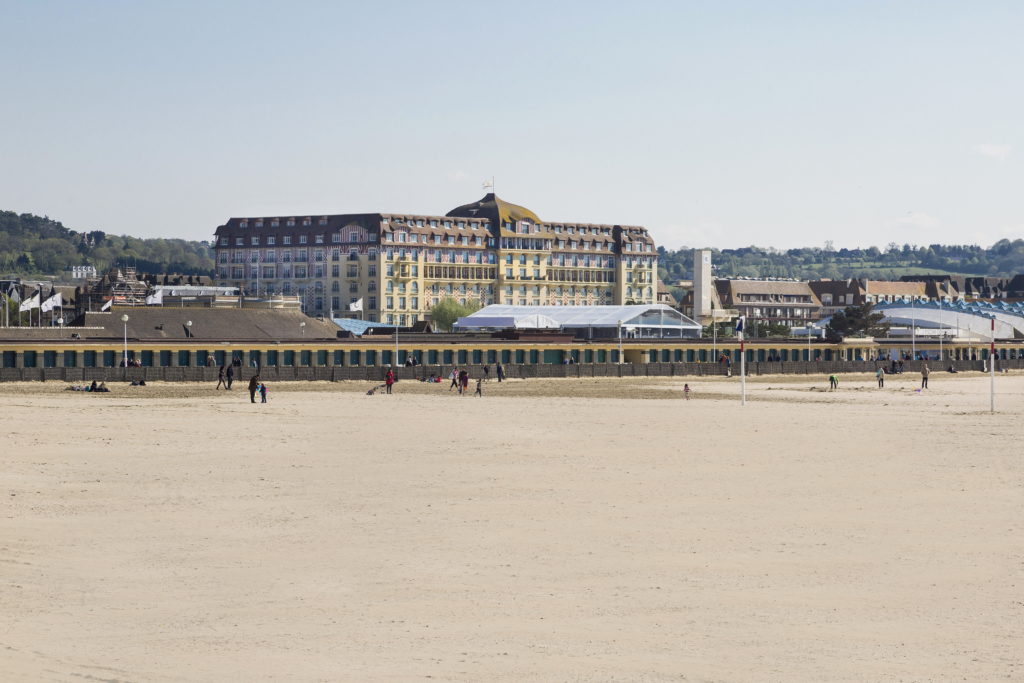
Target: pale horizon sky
(719, 124)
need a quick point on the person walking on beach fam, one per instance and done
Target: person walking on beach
(463, 382)
(499, 370)
(230, 374)
(254, 385)
(880, 376)
(454, 377)
(833, 382)
(686, 391)
(924, 375)
(389, 380)
(479, 388)
(487, 371)
(221, 379)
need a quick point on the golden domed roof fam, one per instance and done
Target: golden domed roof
(498, 211)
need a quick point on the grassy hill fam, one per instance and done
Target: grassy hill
(38, 245)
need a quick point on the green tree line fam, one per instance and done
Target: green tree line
(1004, 258)
(38, 245)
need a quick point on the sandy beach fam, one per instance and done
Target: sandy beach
(554, 530)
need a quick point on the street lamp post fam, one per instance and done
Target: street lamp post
(188, 329)
(302, 326)
(124, 319)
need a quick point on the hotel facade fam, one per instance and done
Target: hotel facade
(395, 267)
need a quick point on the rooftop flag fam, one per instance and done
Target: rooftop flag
(356, 305)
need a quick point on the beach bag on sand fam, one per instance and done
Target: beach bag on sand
(372, 391)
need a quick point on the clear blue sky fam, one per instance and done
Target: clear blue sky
(711, 123)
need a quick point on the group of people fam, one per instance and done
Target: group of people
(94, 387)
(257, 386)
(225, 377)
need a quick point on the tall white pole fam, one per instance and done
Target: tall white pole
(913, 331)
(743, 368)
(942, 331)
(124, 319)
(992, 369)
(620, 342)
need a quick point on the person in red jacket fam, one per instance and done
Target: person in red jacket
(389, 379)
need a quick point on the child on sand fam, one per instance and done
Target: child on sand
(686, 391)
(263, 392)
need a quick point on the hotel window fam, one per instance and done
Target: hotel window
(433, 223)
(306, 222)
(319, 239)
(323, 221)
(286, 239)
(291, 223)
(254, 241)
(335, 302)
(274, 223)
(270, 240)
(419, 223)
(302, 239)
(389, 302)
(223, 241)
(259, 223)
(239, 241)
(335, 238)
(301, 255)
(335, 286)
(270, 256)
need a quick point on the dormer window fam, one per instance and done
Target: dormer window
(275, 223)
(243, 224)
(306, 222)
(323, 220)
(291, 223)
(259, 223)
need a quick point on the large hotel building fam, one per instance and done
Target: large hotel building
(398, 265)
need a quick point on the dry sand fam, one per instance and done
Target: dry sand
(543, 532)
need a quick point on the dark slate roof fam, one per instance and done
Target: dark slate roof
(213, 324)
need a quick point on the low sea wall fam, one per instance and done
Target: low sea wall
(512, 371)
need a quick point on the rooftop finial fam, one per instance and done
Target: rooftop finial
(489, 185)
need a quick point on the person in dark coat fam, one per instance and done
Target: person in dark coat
(254, 386)
(499, 370)
(230, 374)
(221, 379)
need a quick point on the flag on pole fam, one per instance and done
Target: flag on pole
(156, 298)
(356, 305)
(29, 304)
(739, 324)
(12, 293)
(106, 306)
(55, 301)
